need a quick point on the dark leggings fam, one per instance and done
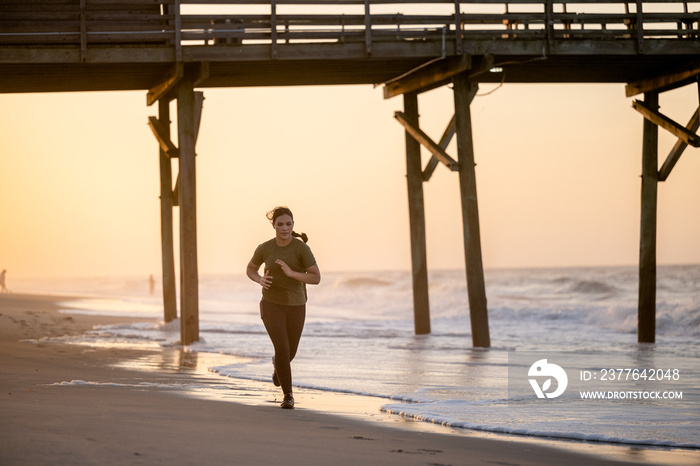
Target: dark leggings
(284, 325)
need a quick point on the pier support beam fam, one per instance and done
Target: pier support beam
(166, 219)
(410, 85)
(189, 276)
(646, 315)
(464, 92)
(416, 212)
(651, 176)
(179, 84)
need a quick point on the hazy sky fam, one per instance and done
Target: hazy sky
(558, 182)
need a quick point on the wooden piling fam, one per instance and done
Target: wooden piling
(189, 291)
(416, 212)
(646, 314)
(464, 92)
(166, 220)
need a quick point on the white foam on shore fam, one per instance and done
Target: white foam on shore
(113, 384)
(426, 412)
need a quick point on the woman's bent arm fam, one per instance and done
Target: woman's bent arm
(311, 276)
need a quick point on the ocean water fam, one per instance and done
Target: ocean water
(359, 339)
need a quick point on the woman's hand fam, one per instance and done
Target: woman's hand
(253, 273)
(266, 280)
(312, 276)
(285, 268)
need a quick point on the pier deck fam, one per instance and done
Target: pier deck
(97, 45)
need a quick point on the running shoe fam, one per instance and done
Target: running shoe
(288, 402)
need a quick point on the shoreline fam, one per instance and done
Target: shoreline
(365, 408)
(122, 391)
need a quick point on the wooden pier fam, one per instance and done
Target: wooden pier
(169, 48)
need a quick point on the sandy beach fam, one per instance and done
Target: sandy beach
(72, 404)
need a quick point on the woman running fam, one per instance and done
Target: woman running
(289, 267)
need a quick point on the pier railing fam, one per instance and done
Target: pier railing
(236, 23)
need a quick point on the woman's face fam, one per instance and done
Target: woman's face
(283, 227)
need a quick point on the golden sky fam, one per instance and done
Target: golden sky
(558, 182)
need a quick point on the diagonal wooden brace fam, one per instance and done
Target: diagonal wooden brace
(679, 147)
(447, 136)
(666, 123)
(444, 142)
(161, 133)
(166, 87)
(162, 137)
(417, 134)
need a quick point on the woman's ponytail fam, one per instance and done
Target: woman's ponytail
(303, 236)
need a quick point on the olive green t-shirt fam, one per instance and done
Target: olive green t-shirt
(298, 256)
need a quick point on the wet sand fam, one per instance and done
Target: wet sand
(73, 404)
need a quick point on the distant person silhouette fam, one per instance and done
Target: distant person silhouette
(3, 288)
(289, 266)
(151, 284)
